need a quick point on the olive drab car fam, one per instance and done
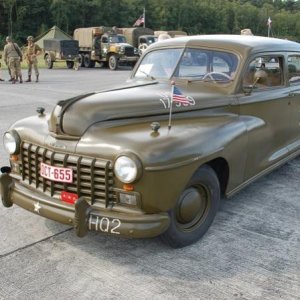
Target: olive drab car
(199, 118)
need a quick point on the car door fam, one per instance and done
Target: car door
(294, 82)
(265, 107)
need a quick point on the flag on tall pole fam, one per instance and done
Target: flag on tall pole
(141, 20)
(269, 23)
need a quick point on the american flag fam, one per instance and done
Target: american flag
(139, 21)
(179, 97)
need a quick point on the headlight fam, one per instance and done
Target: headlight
(122, 50)
(127, 169)
(11, 142)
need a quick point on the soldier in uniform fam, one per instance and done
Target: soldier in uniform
(0, 71)
(13, 57)
(31, 52)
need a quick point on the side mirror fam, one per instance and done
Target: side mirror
(247, 89)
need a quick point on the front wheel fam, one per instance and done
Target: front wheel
(194, 210)
(113, 62)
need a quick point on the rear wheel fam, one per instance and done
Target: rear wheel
(70, 64)
(195, 209)
(48, 62)
(113, 62)
(88, 63)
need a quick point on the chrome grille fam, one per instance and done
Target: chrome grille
(92, 178)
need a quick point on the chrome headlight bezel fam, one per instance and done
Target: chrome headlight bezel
(127, 168)
(12, 142)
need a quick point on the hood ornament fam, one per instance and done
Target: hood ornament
(155, 126)
(40, 111)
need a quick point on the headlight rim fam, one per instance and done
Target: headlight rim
(138, 165)
(17, 141)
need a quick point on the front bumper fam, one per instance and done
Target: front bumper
(82, 216)
(128, 58)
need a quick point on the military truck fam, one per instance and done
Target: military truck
(61, 50)
(139, 37)
(106, 46)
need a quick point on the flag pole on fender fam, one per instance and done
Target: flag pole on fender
(171, 105)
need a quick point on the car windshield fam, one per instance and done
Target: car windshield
(116, 39)
(189, 63)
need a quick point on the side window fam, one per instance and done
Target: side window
(264, 72)
(294, 69)
(201, 63)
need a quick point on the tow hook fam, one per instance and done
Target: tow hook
(82, 210)
(6, 184)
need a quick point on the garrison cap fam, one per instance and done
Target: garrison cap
(30, 38)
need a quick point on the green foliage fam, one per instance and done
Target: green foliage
(25, 17)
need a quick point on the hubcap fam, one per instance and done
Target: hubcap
(191, 207)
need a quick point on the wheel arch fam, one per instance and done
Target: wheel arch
(221, 168)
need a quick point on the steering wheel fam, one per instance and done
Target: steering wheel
(211, 76)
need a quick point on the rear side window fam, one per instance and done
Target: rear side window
(264, 72)
(294, 69)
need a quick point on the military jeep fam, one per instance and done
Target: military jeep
(200, 118)
(61, 50)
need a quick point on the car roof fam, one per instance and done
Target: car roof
(239, 43)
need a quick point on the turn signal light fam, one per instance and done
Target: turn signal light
(128, 187)
(14, 157)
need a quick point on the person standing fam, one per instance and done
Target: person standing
(31, 52)
(0, 71)
(13, 57)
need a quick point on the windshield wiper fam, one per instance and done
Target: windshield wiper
(147, 75)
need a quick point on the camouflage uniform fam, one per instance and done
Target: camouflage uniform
(31, 51)
(12, 57)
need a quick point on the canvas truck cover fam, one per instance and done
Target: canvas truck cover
(132, 34)
(85, 36)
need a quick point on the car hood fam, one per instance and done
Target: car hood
(74, 116)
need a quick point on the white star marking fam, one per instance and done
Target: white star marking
(37, 207)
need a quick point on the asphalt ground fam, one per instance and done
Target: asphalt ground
(252, 250)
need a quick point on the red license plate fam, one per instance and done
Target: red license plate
(56, 173)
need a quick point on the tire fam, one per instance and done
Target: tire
(81, 60)
(113, 62)
(195, 209)
(70, 64)
(48, 62)
(88, 63)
